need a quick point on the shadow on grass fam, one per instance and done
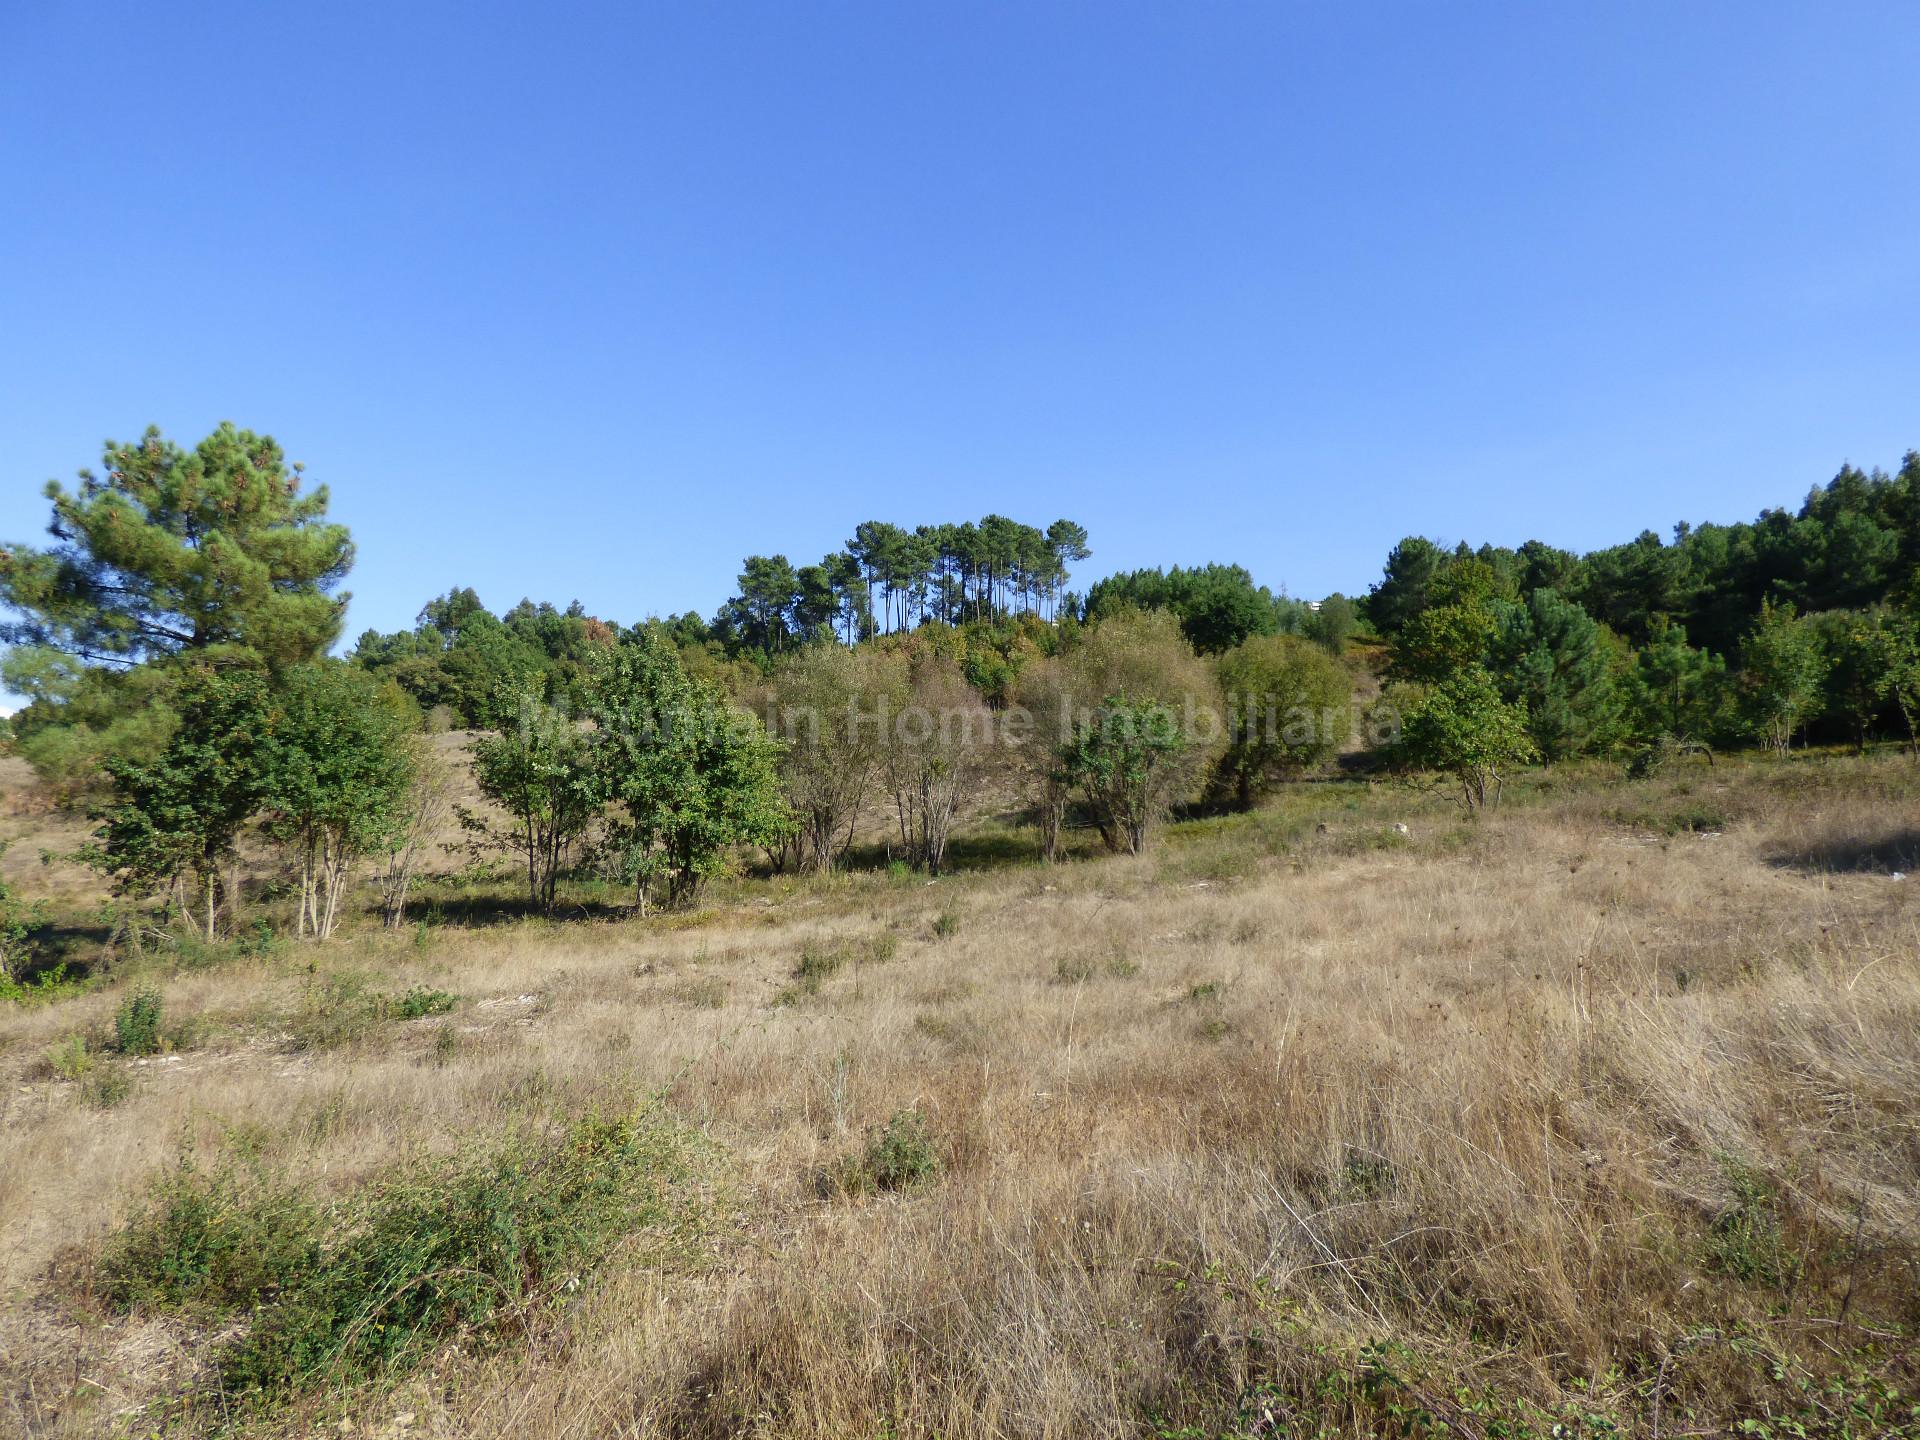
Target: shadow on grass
(1012, 844)
(477, 909)
(1899, 852)
(70, 952)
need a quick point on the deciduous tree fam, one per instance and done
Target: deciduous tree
(695, 776)
(340, 763)
(175, 817)
(1289, 707)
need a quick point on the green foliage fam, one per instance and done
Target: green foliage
(343, 1007)
(136, 1024)
(1871, 658)
(365, 1287)
(1289, 708)
(175, 817)
(1455, 630)
(1748, 1240)
(1332, 625)
(1676, 690)
(1402, 591)
(695, 776)
(1130, 725)
(41, 988)
(70, 1059)
(898, 1156)
(1781, 667)
(541, 769)
(816, 965)
(889, 579)
(334, 1010)
(78, 717)
(472, 666)
(204, 1243)
(421, 1001)
(1463, 727)
(1125, 757)
(1559, 666)
(17, 922)
(946, 924)
(1218, 606)
(339, 774)
(173, 551)
(1853, 546)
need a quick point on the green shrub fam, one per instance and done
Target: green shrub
(136, 1025)
(53, 983)
(366, 1287)
(1748, 1241)
(898, 1155)
(70, 1059)
(210, 1241)
(421, 1001)
(946, 924)
(106, 1087)
(335, 1010)
(817, 965)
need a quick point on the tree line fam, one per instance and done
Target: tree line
(888, 579)
(1797, 625)
(173, 642)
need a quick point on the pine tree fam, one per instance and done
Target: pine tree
(174, 551)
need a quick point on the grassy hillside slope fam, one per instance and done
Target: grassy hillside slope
(1599, 1113)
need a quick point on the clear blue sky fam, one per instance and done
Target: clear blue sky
(591, 300)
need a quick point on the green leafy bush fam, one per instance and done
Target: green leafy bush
(70, 1059)
(136, 1025)
(422, 1001)
(898, 1155)
(210, 1241)
(471, 1245)
(1748, 1240)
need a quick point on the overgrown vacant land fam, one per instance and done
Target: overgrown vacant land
(1597, 1112)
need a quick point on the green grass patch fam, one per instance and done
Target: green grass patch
(43, 987)
(1688, 817)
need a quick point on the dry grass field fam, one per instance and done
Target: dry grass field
(1598, 1116)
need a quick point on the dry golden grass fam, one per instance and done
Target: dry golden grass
(1210, 1123)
